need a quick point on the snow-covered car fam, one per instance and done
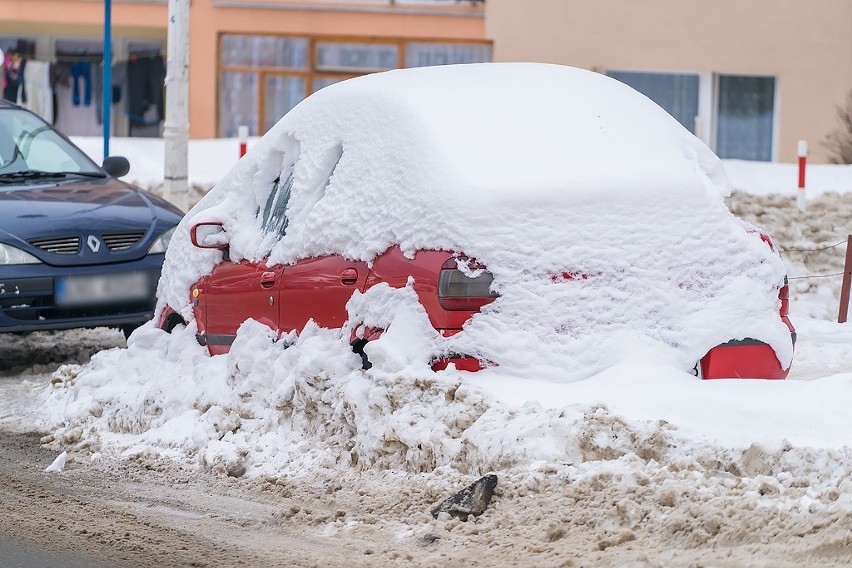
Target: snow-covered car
(537, 218)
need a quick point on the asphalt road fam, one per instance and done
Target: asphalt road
(18, 553)
(41, 514)
(148, 516)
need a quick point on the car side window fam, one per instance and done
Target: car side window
(274, 214)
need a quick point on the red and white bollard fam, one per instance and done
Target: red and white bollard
(243, 133)
(803, 161)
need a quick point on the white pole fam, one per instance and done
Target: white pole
(803, 159)
(176, 128)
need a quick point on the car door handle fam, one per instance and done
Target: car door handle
(267, 279)
(349, 276)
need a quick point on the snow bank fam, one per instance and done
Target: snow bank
(302, 404)
(583, 176)
(669, 256)
(812, 244)
(766, 178)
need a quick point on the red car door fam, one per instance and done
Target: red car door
(318, 289)
(236, 292)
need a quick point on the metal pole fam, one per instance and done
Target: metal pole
(107, 75)
(847, 283)
(176, 128)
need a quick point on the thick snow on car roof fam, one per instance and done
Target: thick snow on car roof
(537, 171)
(513, 128)
(510, 128)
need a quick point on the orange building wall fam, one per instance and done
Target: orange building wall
(207, 20)
(64, 14)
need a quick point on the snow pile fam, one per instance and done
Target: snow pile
(286, 407)
(583, 177)
(58, 465)
(661, 273)
(302, 404)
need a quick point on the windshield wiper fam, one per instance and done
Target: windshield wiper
(6, 177)
(85, 174)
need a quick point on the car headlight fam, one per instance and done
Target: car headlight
(13, 255)
(162, 242)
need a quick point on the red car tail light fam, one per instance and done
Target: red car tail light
(459, 292)
(784, 296)
(768, 240)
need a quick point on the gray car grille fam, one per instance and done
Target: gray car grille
(58, 245)
(122, 241)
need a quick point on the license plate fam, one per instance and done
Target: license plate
(101, 289)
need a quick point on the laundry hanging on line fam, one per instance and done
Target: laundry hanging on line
(39, 93)
(138, 82)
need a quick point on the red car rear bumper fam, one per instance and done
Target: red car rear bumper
(745, 359)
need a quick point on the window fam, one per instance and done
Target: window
(274, 214)
(262, 77)
(745, 117)
(264, 51)
(676, 93)
(255, 69)
(238, 96)
(360, 57)
(422, 54)
(282, 93)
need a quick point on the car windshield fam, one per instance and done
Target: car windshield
(28, 144)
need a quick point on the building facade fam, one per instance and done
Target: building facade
(250, 60)
(749, 78)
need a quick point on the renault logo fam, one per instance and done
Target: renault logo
(93, 243)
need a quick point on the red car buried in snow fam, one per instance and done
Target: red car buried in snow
(392, 179)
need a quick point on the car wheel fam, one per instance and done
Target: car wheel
(358, 347)
(696, 370)
(172, 322)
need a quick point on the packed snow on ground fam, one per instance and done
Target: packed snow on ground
(209, 160)
(768, 178)
(622, 430)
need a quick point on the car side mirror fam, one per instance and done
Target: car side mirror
(209, 235)
(116, 166)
